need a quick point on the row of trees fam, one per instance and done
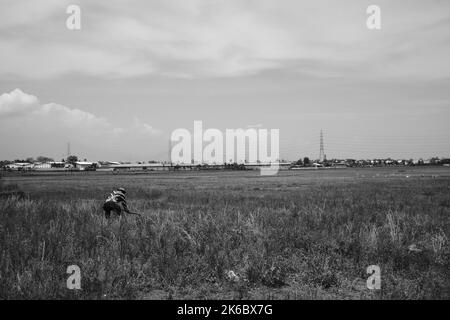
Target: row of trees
(303, 162)
(32, 160)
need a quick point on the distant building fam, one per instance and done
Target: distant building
(84, 165)
(19, 166)
(42, 166)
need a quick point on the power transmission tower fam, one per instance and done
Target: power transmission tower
(322, 149)
(68, 149)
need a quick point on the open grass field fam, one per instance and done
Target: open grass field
(307, 234)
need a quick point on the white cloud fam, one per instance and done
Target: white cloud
(30, 123)
(16, 102)
(143, 128)
(73, 118)
(205, 38)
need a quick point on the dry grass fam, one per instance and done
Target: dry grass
(282, 238)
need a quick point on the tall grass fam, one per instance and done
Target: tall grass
(312, 242)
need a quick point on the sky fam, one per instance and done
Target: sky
(137, 70)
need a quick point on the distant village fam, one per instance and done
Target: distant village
(72, 163)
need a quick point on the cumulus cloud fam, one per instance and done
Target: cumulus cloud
(16, 102)
(73, 118)
(205, 38)
(32, 123)
(144, 128)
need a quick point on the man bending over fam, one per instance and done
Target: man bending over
(116, 202)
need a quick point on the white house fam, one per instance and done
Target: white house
(82, 165)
